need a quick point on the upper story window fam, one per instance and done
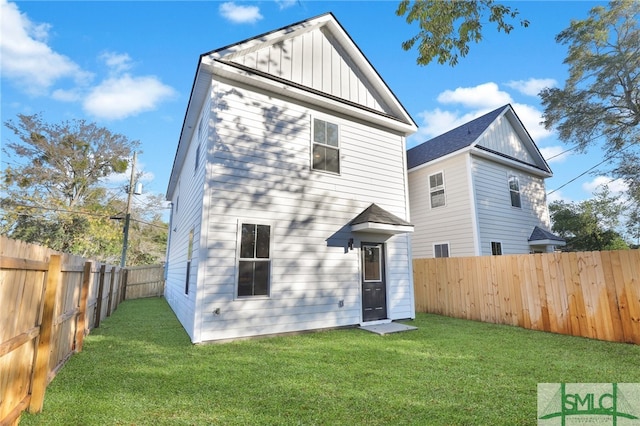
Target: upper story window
(436, 189)
(514, 191)
(441, 250)
(197, 162)
(255, 260)
(326, 146)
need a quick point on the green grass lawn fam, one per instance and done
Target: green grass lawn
(139, 368)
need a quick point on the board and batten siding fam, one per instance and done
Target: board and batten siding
(502, 137)
(187, 204)
(260, 172)
(497, 219)
(326, 68)
(452, 223)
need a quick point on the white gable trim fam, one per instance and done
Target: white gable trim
(508, 161)
(270, 84)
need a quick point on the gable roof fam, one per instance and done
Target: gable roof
(468, 136)
(378, 220)
(273, 62)
(541, 236)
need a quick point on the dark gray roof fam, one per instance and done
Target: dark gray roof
(539, 234)
(453, 140)
(376, 214)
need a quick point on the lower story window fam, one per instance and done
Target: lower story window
(254, 266)
(496, 248)
(441, 250)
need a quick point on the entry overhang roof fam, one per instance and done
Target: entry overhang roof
(375, 219)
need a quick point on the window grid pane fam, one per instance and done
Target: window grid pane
(326, 152)
(254, 265)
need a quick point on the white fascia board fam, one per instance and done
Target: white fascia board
(381, 228)
(547, 243)
(236, 74)
(511, 163)
(443, 158)
(201, 87)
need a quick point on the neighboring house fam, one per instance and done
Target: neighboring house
(479, 190)
(289, 190)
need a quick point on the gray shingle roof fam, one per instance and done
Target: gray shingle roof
(451, 141)
(376, 214)
(539, 234)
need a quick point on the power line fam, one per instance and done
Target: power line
(588, 170)
(55, 209)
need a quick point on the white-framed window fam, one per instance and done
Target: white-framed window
(197, 162)
(514, 191)
(496, 248)
(441, 250)
(436, 189)
(254, 259)
(325, 150)
(189, 256)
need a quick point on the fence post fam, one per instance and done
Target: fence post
(123, 283)
(81, 325)
(43, 351)
(96, 323)
(112, 279)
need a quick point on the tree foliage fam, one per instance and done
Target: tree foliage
(600, 100)
(591, 224)
(447, 27)
(54, 191)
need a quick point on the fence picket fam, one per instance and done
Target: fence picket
(588, 294)
(26, 324)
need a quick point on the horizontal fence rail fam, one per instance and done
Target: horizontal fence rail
(588, 294)
(48, 303)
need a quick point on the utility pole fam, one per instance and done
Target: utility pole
(127, 217)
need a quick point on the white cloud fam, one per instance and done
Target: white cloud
(124, 96)
(117, 62)
(285, 4)
(474, 101)
(487, 96)
(531, 118)
(26, 58)
(533, 86)
(557, 196)
(555, 154)
(616, 186)
(240, 14)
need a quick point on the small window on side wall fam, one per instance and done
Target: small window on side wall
(441, 250)
(254, 263)
(436, 190)
(496, 248)
(326, 146)
(514, 191)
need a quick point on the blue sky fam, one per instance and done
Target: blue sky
(129, 66)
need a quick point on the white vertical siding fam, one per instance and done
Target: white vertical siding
(326, 69)
(497, 219)
(453, 222)
(502, 137)
(260, 172)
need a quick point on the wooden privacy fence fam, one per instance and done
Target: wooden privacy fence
(589, 294)
(144, 281)
(48, 302)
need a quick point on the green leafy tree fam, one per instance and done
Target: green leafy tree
(590, 225)
(54, 191)
(600, 100)
(447, 27)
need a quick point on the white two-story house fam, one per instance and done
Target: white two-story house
(289, 190)
(479, 190)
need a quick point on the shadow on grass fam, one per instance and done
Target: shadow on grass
(140, 368)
